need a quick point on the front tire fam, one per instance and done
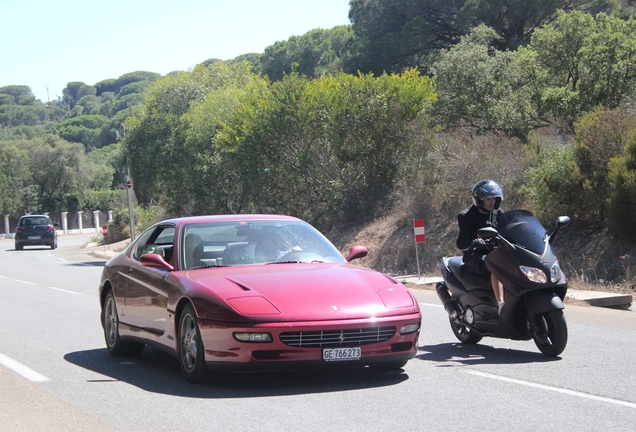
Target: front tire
(116, 346)
(550, 332)
(191, 351)
(464, 334)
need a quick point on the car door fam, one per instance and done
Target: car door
(148, 289)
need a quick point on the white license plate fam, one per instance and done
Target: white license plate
(35, 237)
(342, 354)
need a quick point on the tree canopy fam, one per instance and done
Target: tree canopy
(225, 140)
(334, 125)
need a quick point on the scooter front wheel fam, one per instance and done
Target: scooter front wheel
(550, 332)
(464, 334)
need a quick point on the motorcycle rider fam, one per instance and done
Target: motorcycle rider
(487, 197)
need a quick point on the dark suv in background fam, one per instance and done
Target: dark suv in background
(33, 230)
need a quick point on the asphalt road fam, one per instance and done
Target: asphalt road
(56, 375)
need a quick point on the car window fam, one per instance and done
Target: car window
(158, 240)
(34, 221)
(255, 242)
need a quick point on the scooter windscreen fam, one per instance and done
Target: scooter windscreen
(521, 228)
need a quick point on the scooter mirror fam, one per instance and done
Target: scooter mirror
(562, 221)
(487, 233)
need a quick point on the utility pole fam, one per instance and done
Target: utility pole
(131, 213)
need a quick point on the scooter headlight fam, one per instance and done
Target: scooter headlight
(534, 274)
(555, 272)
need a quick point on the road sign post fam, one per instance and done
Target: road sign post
(105, 234)
(420, 237)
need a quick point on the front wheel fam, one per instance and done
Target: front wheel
(116, 346)
(464, 334)
(550, 332)
(191, 351)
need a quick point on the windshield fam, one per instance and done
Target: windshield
(215, 244)
(521, 228)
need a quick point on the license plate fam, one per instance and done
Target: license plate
(341, 354)
(35, 237)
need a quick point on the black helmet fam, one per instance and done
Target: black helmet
(487, 189)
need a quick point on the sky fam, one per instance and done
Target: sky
(46, 44)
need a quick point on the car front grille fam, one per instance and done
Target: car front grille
(331, 338)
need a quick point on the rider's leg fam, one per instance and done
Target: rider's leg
(497, 289)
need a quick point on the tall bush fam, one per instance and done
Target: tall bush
(600, 136)
(553, 181)
(621, 215)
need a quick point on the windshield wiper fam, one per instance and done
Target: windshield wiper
(208, 266)
(297, 262)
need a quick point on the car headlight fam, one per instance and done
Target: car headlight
(253, 337)
(534, 274)
(555, 272)
(409, 328)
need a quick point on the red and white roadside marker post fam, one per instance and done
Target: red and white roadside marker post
(420, 237)
(105, 234)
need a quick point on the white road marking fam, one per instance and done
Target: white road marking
(25, 282)
(63, 290)
(550, 388)
(33, 283)
(23, 370)
(431, 304)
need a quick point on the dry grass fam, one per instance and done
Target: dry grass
(572, 301)
(621, 288)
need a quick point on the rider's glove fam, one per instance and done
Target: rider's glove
(478, 243)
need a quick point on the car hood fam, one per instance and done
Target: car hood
(304, 291)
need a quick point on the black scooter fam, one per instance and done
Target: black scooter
(524, 261)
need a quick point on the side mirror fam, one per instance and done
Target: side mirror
(156, 261)
(357, 252)
(561, 222)
(487, 233)
(491, 233)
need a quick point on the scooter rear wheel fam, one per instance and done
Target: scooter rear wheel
(464, 334)
(551, 333)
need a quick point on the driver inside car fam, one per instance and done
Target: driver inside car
(273, 247)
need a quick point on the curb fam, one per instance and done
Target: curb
(593, 298)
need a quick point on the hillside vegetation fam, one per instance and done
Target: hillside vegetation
(359, 129)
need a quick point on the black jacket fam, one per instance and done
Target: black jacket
(470, 221)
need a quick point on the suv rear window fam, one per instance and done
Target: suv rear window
(34, 221)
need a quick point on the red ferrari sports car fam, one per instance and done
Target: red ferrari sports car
(244, 291)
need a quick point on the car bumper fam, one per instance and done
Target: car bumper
(223, 351)
(31, 240)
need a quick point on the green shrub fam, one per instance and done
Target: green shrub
(621, 205)
(553, 182)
